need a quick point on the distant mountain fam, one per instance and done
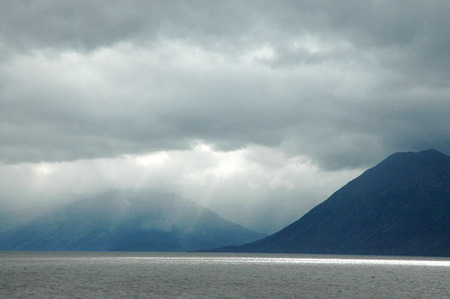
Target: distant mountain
(399, 207)
(127, 221)
(15, 217)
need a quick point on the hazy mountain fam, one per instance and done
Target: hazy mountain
(127, 221)
(399, 207)
(15, 217)
(8, 221)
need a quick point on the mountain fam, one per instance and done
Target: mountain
(12, 219)
(15, 217)
(127, 221)
(399, 207)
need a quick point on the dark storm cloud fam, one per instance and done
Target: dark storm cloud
(67, 24)
(86, 25)
(345, 83)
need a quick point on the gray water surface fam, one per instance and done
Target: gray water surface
(204, 275)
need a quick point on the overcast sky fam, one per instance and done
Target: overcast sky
(257, 109)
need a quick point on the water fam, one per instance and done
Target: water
(193, 275)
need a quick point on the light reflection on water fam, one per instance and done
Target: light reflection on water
(206, 275)
(393, 261)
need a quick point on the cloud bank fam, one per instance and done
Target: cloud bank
(321, 89)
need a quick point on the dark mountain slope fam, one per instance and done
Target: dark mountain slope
(399, 207)
(127, 221)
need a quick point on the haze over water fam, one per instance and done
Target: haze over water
(113, 274)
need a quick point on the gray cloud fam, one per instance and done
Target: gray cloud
(341, 84)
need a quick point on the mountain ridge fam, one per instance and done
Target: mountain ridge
(399, 207)
(127, 221)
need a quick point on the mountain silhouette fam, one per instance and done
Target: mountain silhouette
(127, 221)
(399, 207)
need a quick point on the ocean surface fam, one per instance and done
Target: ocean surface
(204, 275)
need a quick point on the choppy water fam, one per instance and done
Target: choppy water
(193, 275)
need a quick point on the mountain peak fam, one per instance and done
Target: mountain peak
(425, 154)
(126, 220)
(408, 168)
(399, 207)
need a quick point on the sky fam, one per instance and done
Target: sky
(258, 110)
